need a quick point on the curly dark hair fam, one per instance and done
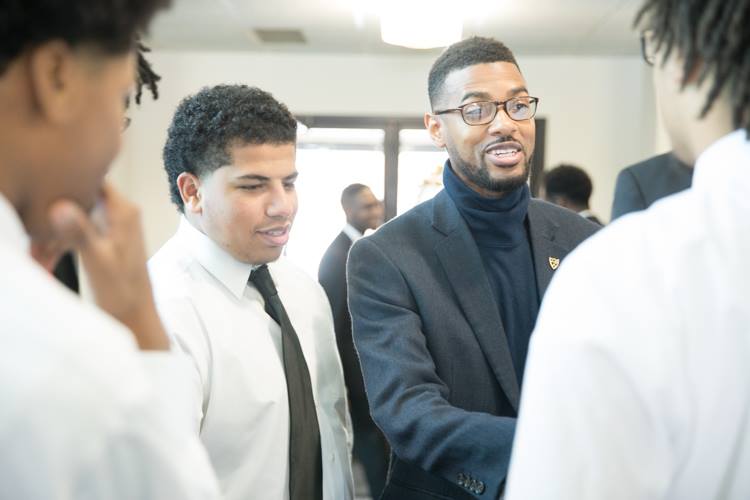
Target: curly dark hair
(109, 25)
(711, 35)
(460, 55)
(569, 181)
(208, 123)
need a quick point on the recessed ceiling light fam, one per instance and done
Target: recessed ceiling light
(420, 24)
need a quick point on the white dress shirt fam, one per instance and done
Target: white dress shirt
(352, 232)
(638, 379)
(240, 405)
(83, 413)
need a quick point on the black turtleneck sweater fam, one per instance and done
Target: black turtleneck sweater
(500, 232)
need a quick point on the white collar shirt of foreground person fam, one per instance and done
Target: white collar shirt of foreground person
(83, 413)
(638, 379)
(240, 405)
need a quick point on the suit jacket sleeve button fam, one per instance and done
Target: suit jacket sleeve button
(480, 487)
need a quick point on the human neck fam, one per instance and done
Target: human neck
(702, 137)
(699, 134)
(358, 227)
(10, 170)
(17, 155)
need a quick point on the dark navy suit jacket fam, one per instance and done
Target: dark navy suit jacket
(640, 185)
(435, 359)
(332, 276)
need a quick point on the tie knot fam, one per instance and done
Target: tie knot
(263, 281)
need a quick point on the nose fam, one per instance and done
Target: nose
(503, 124)
(281, 202)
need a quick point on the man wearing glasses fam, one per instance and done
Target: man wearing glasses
(444, 298)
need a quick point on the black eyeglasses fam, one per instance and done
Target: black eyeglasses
(483, 112)
(648, 50)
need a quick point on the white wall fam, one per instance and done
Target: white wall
(600, 111)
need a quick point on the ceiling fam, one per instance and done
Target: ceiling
(528, 27)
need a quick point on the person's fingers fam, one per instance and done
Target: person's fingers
(47, 254)
(72, 227)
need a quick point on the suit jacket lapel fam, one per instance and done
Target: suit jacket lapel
(463, 266)
(344, 241)
(546, 252)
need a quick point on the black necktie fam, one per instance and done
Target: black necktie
(305, 462)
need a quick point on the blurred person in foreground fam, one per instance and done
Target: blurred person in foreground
(65, 267)
(642, 345)
(91, 399)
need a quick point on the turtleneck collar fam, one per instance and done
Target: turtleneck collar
(494, 222)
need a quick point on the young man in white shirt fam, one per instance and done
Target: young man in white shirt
(268, 392)
(638, 381)
(91, 399)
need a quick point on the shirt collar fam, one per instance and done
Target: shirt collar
(11, 228)
(727, 159)
(232, 273)
(352, 232)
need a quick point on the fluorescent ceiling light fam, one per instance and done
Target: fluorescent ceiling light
(420, 24)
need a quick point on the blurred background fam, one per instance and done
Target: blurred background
(360, 101)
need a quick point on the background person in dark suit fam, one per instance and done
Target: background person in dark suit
(640, 185)
(570, 187)
(363, 211)
(444, 297)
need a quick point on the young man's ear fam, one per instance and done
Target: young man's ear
(189, 186)
(55, 80)
(434, 127)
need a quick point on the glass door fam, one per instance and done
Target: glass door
(328, 160)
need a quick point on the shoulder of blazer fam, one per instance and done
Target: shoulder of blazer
(557, 223)
(342, 241)
(646, 170)
(404, 226)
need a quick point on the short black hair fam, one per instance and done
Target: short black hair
(712, 33)
(568, 181)
(350, 192)
(460, 55)
(206, 125)
(108, 25)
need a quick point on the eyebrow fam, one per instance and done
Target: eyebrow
(263, 178)
(484, 95)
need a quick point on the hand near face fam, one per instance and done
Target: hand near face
(110, 243)
(47, 254)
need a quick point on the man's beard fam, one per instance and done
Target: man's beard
(480, 175)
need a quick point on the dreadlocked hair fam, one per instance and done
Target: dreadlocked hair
(146, 76)
(713, 34)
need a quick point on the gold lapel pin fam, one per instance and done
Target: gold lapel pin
(554, 263)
